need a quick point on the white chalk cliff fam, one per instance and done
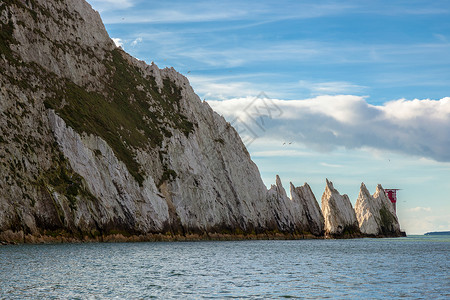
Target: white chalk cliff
(311, 215)
(298, 214)
(338, 212)
(94, 142)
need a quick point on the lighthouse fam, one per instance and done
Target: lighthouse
(392, 195)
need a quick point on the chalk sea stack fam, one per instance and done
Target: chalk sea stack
(375, 214)
(299, 214)
(97, 145)
(311, 213)
(340, 218)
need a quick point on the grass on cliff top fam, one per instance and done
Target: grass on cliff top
(129, 118)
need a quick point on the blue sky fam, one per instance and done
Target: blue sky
(359, 90)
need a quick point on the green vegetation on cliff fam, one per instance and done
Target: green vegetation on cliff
(132, 113)
(386, 220)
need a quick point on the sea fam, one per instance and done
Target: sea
(414, 267)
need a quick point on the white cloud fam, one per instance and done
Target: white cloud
(118, 42)
(136, 41)
(420, 209)
(330, 165)
(254, 52)
(261, 12)
(212, 87)
(207, 11)
(330, 87)
(420, 224)
(218, 52)
(414, 127)
(104, 5)
(175, 16)
(236, 85)
(441, 37)
(405, 110)
(280, 153)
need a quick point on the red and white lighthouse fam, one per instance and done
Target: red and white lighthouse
(392, 195)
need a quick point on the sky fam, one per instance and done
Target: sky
(352, 91)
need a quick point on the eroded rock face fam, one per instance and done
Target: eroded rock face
(298, 214)
(365, 209)
(375, 214)
(97, 142)
(286, 212)
(311, 213)
(118, 196)
(340, 218)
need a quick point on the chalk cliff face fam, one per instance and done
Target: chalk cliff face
(94, 143)
(311, 214)
(298, 214)
(375, 214)
(338, 213)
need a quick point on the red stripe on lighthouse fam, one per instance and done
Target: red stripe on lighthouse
(391, 194)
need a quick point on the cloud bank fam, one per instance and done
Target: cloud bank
(413, 127)
(420, 209)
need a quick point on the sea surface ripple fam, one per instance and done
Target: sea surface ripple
(413, 267)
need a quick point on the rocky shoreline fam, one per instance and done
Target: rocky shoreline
(333, 226)
(18, 238)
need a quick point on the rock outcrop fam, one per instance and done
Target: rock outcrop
(298, 214)
(285, 211)
(340, 218)
(375, 214)
(311, 214)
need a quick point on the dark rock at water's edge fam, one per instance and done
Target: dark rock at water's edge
(96, 145)
(438, 233)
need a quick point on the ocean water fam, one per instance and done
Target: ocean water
(413, 267)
